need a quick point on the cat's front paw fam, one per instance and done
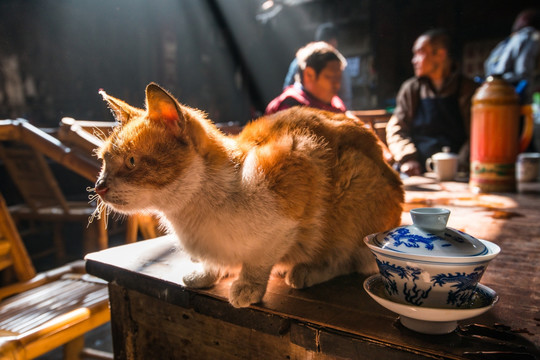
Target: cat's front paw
(200, 279)
(243, 293)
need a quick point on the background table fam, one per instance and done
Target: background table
(154, 316)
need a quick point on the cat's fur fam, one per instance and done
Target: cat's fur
(300, 188)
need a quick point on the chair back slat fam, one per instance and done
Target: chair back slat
(377, 119)
(33, 177)
(14, 252)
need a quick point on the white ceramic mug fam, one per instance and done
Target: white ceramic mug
(443, 164)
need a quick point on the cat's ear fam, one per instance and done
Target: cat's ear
(122, 112)
(163, 107)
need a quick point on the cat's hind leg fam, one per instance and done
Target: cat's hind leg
(203, 278)
(250, 286)
(306, 275)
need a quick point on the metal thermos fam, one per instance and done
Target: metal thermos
(495, 139)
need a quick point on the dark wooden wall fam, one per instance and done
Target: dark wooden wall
(224, 56)
(67, 50)
(475, 24)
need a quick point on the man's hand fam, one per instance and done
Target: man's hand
(411, 168)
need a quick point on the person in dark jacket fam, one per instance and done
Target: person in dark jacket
(432, 108)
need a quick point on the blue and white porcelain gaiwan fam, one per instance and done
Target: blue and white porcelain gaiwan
(429, 265)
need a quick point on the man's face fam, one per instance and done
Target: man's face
(426, 60)
(326, 85)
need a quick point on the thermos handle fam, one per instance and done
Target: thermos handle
(528, 127)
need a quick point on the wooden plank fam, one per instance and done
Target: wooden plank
(156, 329)
(121, 322)
(353, 348)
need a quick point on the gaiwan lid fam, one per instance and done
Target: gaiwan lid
(429, 236)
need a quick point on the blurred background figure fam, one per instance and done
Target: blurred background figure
(320, 69)
(432, 108)
(328, 33)
(517, 58)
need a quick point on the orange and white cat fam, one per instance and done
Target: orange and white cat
(296, 190)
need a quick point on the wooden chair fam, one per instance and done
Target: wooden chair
(377, 119)
(44, 200)
(44, 311)
(84, 135)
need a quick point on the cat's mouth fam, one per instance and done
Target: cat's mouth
(116, 204)
(106, 200)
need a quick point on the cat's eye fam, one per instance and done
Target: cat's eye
(130, 162)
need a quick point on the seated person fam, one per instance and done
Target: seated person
(517, 58)
(317, 84)
(318, 80)
(432, 108)
(326, 32)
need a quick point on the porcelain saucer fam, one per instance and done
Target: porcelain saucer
(428, 320)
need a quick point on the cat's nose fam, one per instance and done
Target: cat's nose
(101, 187)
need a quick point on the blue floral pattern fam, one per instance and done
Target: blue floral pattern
(415, 295)
(463, 285)
(402, 236)
(450, 242)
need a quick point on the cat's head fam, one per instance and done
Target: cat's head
(152, 155)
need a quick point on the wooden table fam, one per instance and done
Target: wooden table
(155, 317)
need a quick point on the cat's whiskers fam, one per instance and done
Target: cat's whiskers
(101, 208)
(115, 146)
(100, 134)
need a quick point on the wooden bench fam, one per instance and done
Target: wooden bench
(43, 311)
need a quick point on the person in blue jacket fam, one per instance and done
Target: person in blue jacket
(517, 58)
